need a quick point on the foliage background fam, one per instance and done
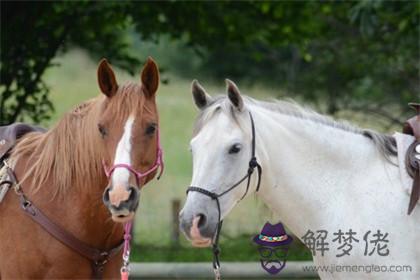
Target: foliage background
(357, 60)
(349, 55)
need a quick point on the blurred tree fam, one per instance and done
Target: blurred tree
(33, 33)
(360, 56)
(353, 55)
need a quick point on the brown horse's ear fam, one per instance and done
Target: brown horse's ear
(234, 95)
(200, 96)
(150, 77)
(106, 79)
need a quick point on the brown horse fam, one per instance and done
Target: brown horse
(62, 173)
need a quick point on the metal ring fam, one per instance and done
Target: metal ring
(18, 189)
(124, 269)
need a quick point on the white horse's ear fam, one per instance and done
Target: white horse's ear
(234, 95)
(200, 96)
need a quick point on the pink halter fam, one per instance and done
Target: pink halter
(138, 174)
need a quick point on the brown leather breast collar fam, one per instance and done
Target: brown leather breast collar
(97, 257)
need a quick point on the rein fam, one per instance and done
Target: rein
(253, 163)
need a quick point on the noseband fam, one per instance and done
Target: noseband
(253, 163)
(158, 163)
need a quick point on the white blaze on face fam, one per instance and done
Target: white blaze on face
(121, 176)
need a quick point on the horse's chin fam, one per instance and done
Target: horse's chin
(201, 243)
(123, 218)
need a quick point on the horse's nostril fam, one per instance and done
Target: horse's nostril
(133, 194)
(202, 221)
(106, 195)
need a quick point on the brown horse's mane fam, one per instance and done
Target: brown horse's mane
(70, 153)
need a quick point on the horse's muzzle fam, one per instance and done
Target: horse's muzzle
(121, 202)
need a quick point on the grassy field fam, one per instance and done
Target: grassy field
(75, 81)
(240, 248)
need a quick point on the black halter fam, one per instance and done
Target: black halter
(253, 163)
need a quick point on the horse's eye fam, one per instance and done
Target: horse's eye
(235, 149)
(102, 130)
(151, 129)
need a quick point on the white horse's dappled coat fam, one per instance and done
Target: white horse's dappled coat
(317, 175)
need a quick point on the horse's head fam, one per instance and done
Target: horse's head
(129, 132)
(221, 148)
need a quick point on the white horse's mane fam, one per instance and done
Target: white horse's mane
(385, 143)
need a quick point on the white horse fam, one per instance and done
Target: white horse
(317, 174)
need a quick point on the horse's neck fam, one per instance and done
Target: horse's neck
(308, 166)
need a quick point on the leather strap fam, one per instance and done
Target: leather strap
(412, 126)
(415, 192)
(97, 257)
(413, 168)
(412, 158)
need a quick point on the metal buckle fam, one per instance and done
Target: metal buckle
(26, 205)
(216, 270)
(125, 269)
(103, 260)
(126, 262)
(18, 189)
(126, 257)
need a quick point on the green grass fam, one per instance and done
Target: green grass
(240, 248)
